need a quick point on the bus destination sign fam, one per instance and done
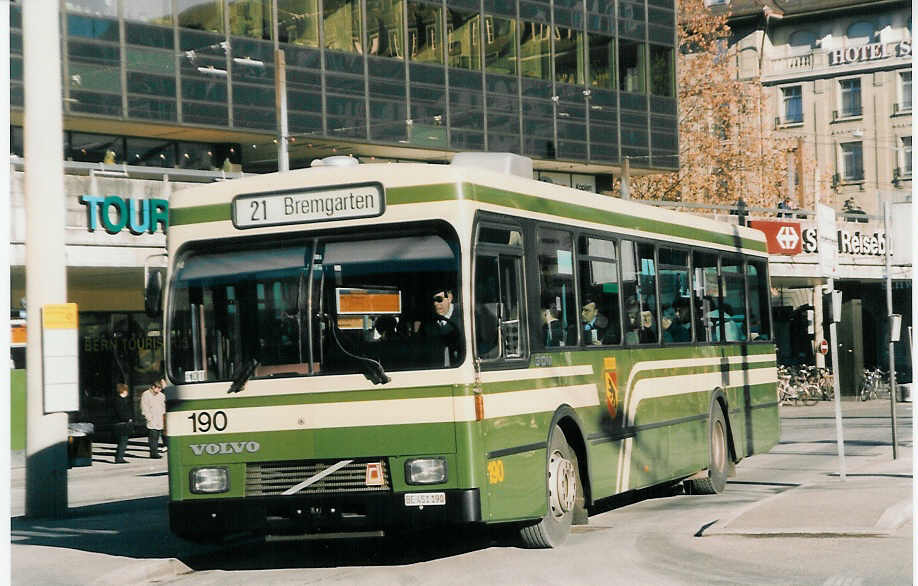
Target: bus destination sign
(255, 210)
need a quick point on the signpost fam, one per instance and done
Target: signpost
(828, 263)
(823, 347)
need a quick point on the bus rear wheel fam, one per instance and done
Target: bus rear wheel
(716, 479)
(564, 488)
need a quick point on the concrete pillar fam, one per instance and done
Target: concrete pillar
(46, 281)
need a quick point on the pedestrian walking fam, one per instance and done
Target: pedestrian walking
(124, 415)
(153, 407)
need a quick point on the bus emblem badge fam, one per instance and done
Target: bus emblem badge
(374, 474)
(610, 375)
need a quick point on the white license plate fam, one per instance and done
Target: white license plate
(420, 499)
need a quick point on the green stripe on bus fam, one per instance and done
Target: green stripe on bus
(218, 212)
(509, 199)
(240, 401)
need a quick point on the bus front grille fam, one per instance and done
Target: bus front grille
(273, 478)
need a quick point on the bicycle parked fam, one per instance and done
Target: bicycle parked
(874, 385)
(795, 386)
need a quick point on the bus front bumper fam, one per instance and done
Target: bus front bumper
(290, 515)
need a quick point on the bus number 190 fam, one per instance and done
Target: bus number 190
(204, 421)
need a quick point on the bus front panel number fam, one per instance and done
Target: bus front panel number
(495, 471)
(204, 421)
(259, 209)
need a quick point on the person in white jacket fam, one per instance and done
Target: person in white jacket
(153, 407)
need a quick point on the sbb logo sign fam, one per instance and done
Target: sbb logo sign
(782, 237)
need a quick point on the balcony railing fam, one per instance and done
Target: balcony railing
(788, 121)
(903, 108)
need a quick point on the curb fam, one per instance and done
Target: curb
(144, 572)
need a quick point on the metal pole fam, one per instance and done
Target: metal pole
(626, 179)
(839, 434)
(46, 434)
(280, 85)
(892, 346)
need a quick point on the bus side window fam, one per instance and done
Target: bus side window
(599, 292)
(733, 308)
(706, 297)
(556, 280)
(639, 290)
(499, 325)
(759, 318)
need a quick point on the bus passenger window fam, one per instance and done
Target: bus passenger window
(676, 318)
(556, 280)
(599, 292)
(733, 308)
(639, 291)
(498, 307)
(706, 297)
(759, 301)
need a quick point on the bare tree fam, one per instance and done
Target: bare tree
(728, 147)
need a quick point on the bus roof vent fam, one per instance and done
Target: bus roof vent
(336, 161)
(508, 163)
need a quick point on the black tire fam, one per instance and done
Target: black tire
(563, 494)
(809, 395)
(718, 453)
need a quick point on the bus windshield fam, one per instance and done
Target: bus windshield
(317, 306)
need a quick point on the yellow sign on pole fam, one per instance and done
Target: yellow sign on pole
(59, 316)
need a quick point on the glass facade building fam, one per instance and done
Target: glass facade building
(588, 82)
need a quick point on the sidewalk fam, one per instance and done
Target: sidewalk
(875, 499)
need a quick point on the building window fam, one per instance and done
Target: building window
(251, 18)
(906, 156)
(384, 28)
(792, 99)
(568, 55)
(535, 50)
(662, 71)
(905, 92)
(424, 38)
(202, 15)
(850, 90)
(150, 11)
(298, 22)
(631, 66)
(714, 2)
(602, 60)
(341, 24)
(860, 33)
(464, 36)
(852, 161)
(500, 45)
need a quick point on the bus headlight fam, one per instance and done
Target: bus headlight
(209, 480)
(425, 471)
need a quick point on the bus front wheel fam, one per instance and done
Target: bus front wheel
(716, 479)
(564, 486)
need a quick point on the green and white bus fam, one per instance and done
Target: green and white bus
(355, 349)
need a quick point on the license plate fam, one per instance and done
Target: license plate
(421, 499)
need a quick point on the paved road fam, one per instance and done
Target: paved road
(842, 533)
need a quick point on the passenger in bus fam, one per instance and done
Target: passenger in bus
(639, 326)
(386, 327)
(445, 324)
(676, 322)
(595, 324)
(552, 330)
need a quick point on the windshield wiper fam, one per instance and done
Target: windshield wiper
(244, 374)
(370, 368)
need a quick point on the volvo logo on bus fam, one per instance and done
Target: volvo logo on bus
(225, 448)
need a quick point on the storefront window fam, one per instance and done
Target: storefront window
(202, 15)
(384, 28)
(535, 50)
(462, 29)
(150, 152)
(96, 148)
(341, 23)
(251, 18)
(149, 11)
(500, 45)
(298, 22)
(602, 62)
(568, 55)
(425, 41)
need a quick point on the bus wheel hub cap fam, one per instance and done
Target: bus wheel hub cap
(562, 484)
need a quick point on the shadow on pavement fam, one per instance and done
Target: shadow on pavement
(139, 529)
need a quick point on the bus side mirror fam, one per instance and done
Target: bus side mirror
(153, 294)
